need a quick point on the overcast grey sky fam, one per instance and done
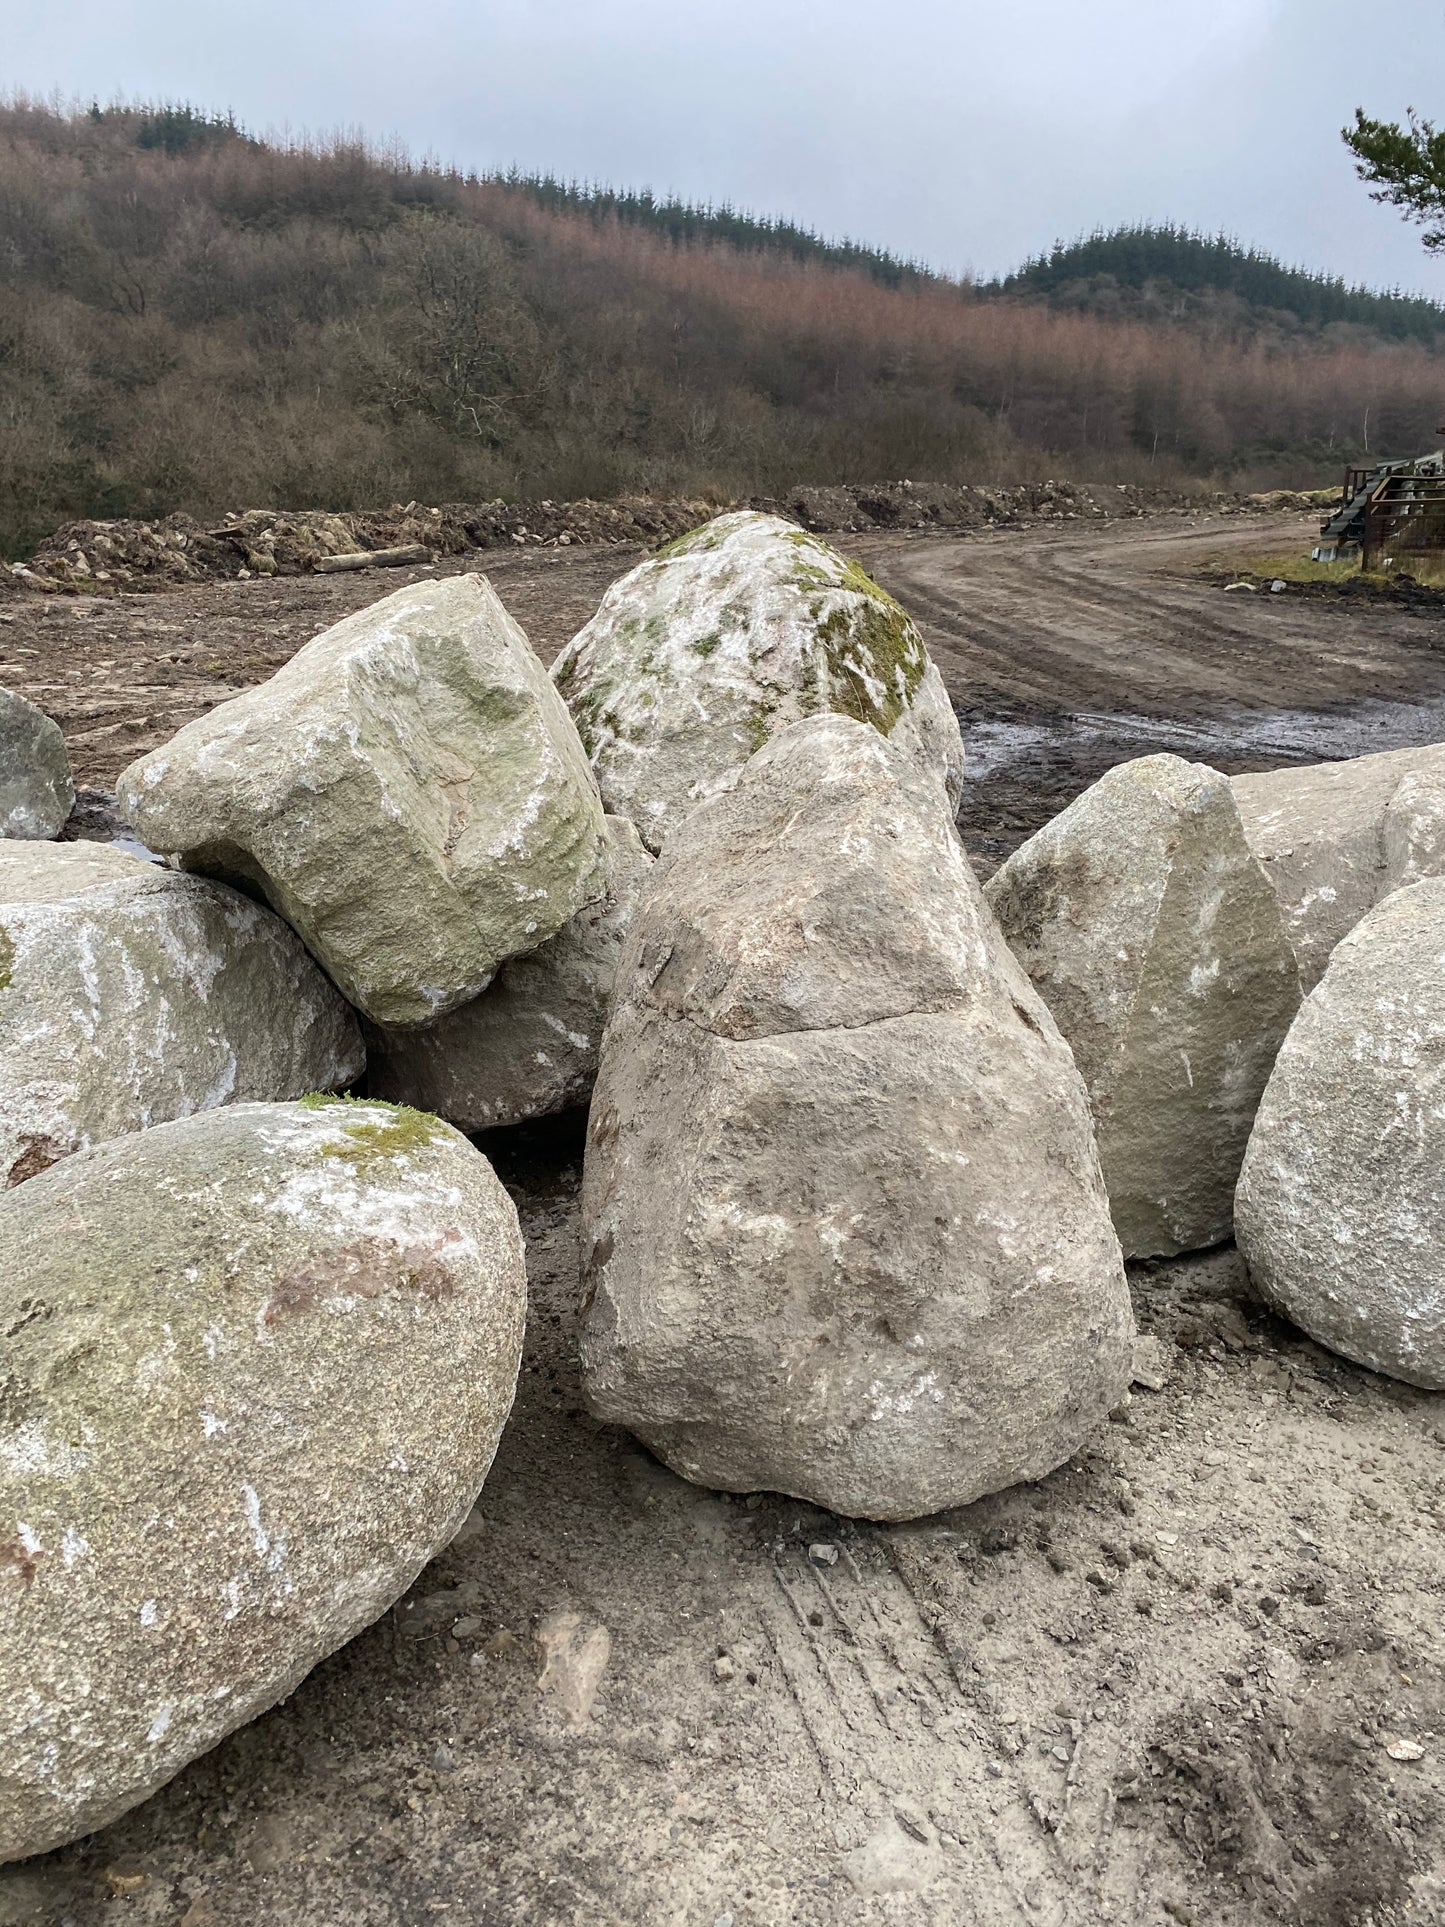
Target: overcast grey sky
(969, 134)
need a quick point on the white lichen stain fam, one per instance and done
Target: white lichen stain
(27, 1452)
(151, 1369)
(72, 1547)
(251, 1504)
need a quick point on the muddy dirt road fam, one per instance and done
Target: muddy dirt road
(1066, 652)
(1065, 647)
(1162, 1686)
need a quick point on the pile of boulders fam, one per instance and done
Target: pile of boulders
(867, 1145)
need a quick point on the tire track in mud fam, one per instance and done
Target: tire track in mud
(1068, 651)
(1119, 618)
(882, 1686)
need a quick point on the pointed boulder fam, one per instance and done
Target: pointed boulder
(1153, 936)
(729, 635)
(844, 1231)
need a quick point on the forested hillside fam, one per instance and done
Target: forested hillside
(1169, 273)
(190, 318)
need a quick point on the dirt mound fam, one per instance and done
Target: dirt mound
(124, 558)
(116, 558)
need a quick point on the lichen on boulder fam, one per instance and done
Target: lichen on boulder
(36, 792)
(724, 638)
(844, 1232)
(257, 1366)
(131, 995)
(408, 792)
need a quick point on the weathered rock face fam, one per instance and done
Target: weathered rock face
(528, 1045)
(1152, 935)
(1333, 838)
(744, 626)
(257, 1367)
(130, 995)
(35, 788)
(844, 1231)
(1341, 1206)
(408, 791)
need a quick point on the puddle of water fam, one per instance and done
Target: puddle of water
(1301, 735)
(133, 846)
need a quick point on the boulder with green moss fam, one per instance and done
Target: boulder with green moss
(130, 995)
(408, 791)
(527, 1047)
(36, 792)
(1154, 937)
(730, 634)
(256, 1368)
(845, 1235)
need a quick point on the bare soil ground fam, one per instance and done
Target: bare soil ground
(1161, 1686)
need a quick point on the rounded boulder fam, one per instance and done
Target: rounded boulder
(256, 1367)
(1340, 1212)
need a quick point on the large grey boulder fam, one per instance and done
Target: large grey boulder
(408, 791)
(256, 1367)
(36, 792)
(130, 995)
(727, 636)
(1333, 838)
(527, 1047)
(1149, 930)
(844, 1230)
(1341, 1206)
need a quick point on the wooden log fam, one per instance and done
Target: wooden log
(374, 559)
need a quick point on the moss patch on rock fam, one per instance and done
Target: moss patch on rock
(370, 1140)
(694, 542)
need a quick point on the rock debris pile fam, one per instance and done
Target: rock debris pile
(127, 557)
(867, 1144)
